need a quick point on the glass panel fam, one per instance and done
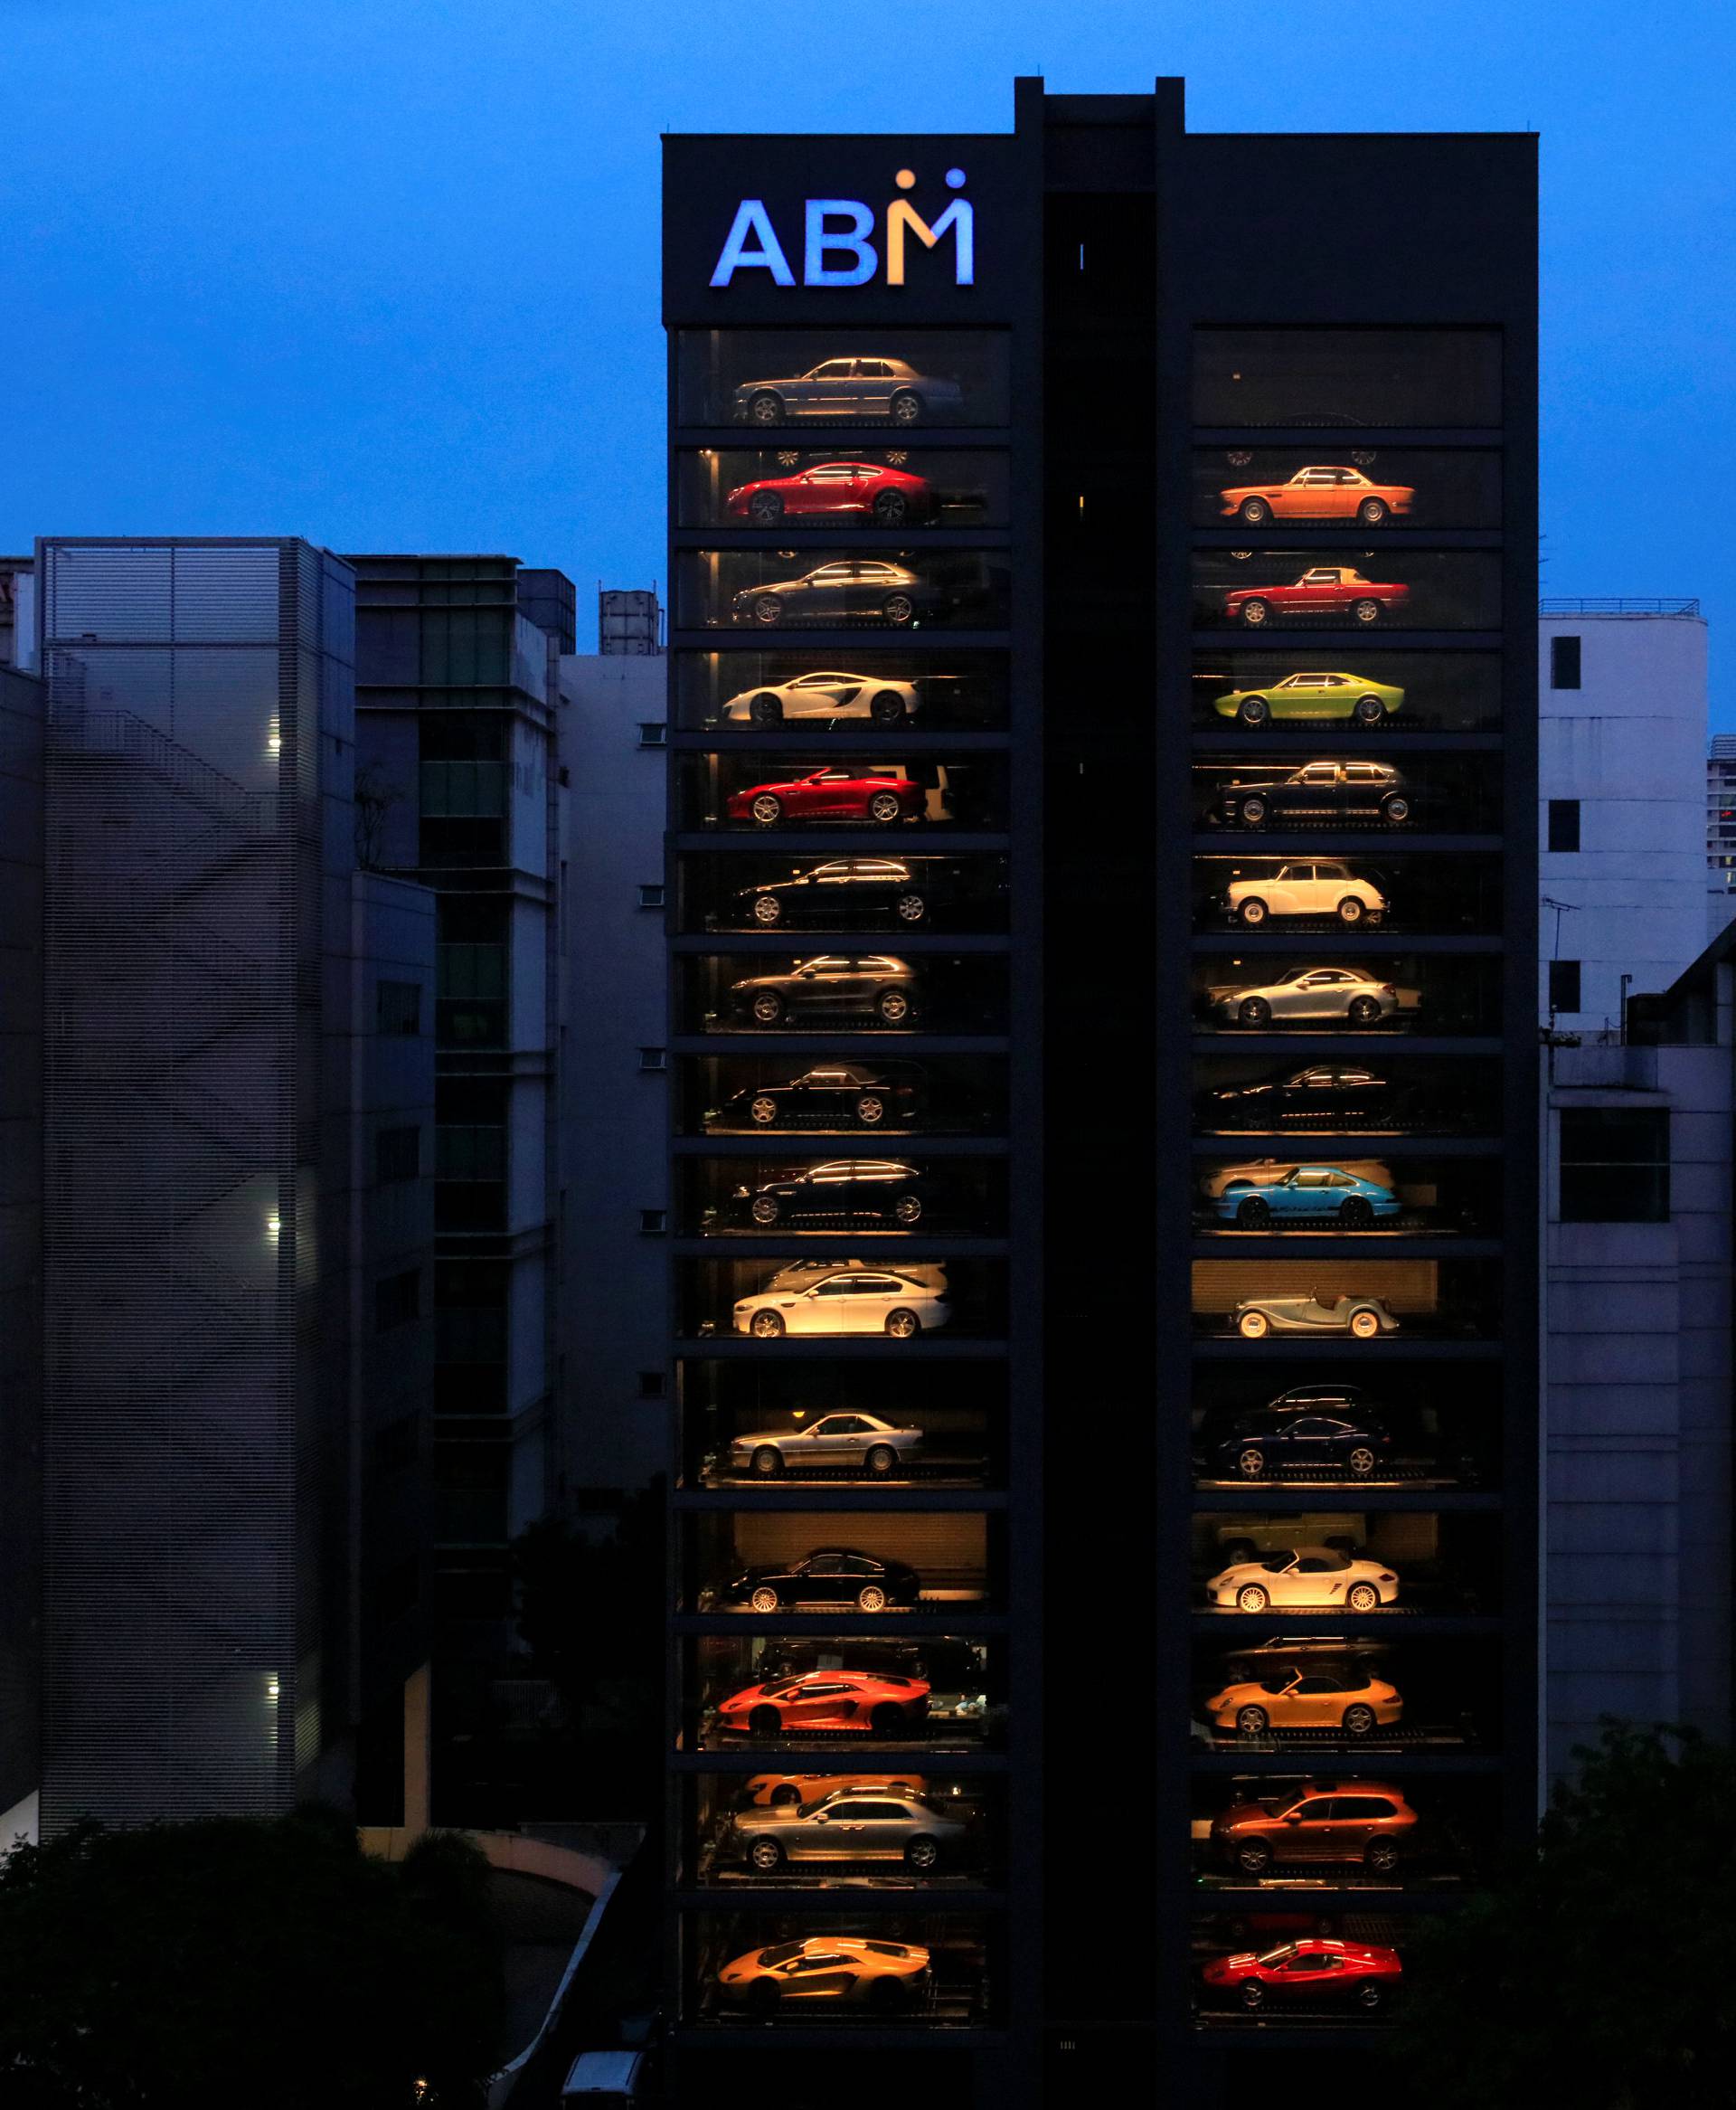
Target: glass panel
(1338, 1425)
(884, 993)
(1347, 590)
(881, 589)
(1346, 1302)
(771, 378)
(783, 1304)
(1439, 894)
(1347, 377)
(815, 487)
(770, 1563)
(1360, 1001)
(1347, 688)
(1385, 486)
(870, 889)
(1358, 796)
(874, 794)
(876, 685)
(894, 1193)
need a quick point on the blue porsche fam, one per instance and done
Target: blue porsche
(1307, 1192)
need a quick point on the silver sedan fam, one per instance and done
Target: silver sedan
(1311, 992)
(849, 1827)
(861, 1442)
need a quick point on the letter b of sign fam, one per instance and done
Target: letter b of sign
(822, 240)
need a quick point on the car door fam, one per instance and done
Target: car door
(870, 1299)
(832, 1439)
(838, 1832)
(1322, 994)
(1307, 1830)
(834, 488)
(1319, 587)
(816, 1311)
(883, 1828)
(829, 391)
(825, 985)
(819, 695)
(1352, 1824)
(815, 1700)
(818, 1978)
(824, 1580)
(874, 381)
(1307, 1977)
(1288, 891)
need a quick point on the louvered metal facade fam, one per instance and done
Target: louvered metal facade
(194, 862)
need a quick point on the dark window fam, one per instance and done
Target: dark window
(397, 1300)
(651, 896)
(654, 1058)
(1564, 663)
(653, 1221)
(651, 1383)
(1563, 824)
(1563, 985)
(398, 1007)
(1614, 1165)
(653, 733)
(397, 1154)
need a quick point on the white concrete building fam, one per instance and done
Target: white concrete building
(1621, 789)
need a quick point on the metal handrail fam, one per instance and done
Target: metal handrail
(1620, 604)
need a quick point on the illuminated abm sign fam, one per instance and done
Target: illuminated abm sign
(843, 243)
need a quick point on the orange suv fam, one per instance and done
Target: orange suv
(1361, 1821)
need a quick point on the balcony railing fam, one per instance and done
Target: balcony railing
(1620, 604)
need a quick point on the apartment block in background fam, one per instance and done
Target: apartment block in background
(237, 1295)
(1720, 832)
(1622, 734)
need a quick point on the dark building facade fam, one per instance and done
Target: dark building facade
(1104, 1117)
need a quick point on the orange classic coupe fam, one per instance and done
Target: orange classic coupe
(1318, 494)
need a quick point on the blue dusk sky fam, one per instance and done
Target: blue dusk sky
(384, 272)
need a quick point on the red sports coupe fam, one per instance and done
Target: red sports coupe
(866, 1702)
(1309, 1971)
(881, 797)
(1322, 590)
(835, 490)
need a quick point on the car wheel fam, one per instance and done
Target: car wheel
(898, 608)
(1253, 1326)
(766, 409)
(1253, 1859)
(1251, 1993)
(1351, 910)
(1363, 1010)
(1251, 1597)
(1369, 711)
(764, 1721)
(908, 1209)
(871, 1597)
(1370, 1997)
(922, 1854)
(786, 1795)
(1252, 812)
(1361, 1461)
(767, 1462)
(909, 908)
(762, 1997)
(1254, 1011)
(768, 1008)
(1395, 810)
(1372, 512)
(887, 1719)
(1253, 710)
(1364, 1324)
(765, 509)
(764, 1208)
(1250, 1462)
(893, 1006)
(1256, 613)
(1382, 1856)
(892, 509)
(768, 610)
(882, 1461)
(766, 1326)
(1363, 1597)
(1358, 1721)
(767, 710)
(1255, 512)
(888, 1996)
(871, 1110)
(1358, 1214)
(903, 1324)
(1253, 1212)
(1250, 1721)
(767, 809)
(763, 1600)
(766, 1855)
(763, 1110)
(906, 409)
(887, 708)
(884, 807)
(1252, 912)
(1366, 611)
(768, 910)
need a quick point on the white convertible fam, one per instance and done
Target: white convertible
(1315, 887)
(1305, 1577)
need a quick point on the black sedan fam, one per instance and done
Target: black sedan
(848, 590)
(882, 891)
(1326, 1094)
(845, 1191)
(1322, 791)
(833, 1095)
(832, 1576)
(1315, 1431)
(868, 987)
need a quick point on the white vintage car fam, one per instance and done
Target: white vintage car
(1313, 886)
(1307, 1577)
(846, 1300)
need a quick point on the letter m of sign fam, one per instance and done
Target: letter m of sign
(958, 219)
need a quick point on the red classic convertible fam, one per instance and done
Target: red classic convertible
(835, 490)
(1310, 1970)
(1322, 590)
(881, 796)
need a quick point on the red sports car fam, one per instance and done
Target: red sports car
(1309, 1971)
(867, 1702)
(1322, 590)
(835, 490)
(882, 796)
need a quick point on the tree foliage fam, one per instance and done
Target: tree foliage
(270, 1964)
(1596, 1972)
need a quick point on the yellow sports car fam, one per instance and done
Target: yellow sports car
(828, 1970)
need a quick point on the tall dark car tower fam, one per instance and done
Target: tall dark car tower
(1104, 1133)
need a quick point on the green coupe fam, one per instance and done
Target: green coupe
(1313, 696)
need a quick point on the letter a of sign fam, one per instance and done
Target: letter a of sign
(752, 220)
(959, 216)
(815, 270)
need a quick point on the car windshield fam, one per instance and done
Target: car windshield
(1282, 1955)
(1276, 1564)
(782, 1953)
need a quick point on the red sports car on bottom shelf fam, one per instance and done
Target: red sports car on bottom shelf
(865, 1701)
(881, 796)
(835, 490)
(1307, 1970)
